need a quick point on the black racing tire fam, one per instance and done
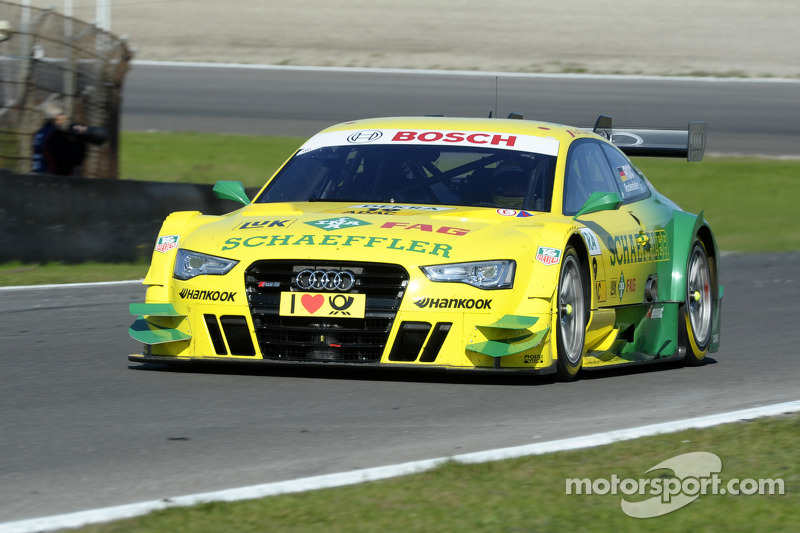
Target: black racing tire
(696, 312)
(572, 311)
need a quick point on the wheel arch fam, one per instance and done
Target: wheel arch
(684, 228)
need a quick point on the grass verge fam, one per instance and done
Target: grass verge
(203, 157)
(528, 494)
(16, 273)
(749, 202)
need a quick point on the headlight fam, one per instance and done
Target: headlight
(189, 264)
(482, 274)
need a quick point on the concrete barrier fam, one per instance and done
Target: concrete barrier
(55, 218)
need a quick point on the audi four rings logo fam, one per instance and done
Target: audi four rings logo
(325, 280)
(364, 136)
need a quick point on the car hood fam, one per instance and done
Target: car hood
(406, 234)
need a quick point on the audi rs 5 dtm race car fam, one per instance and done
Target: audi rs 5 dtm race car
(442, 242)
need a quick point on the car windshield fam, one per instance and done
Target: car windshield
(462, 176)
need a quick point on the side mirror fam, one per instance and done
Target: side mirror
(600, 201)
(231, 190)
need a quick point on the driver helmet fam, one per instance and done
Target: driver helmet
(509, 185)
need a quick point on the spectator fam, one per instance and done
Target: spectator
(60, 147)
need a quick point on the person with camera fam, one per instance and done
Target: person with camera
(59, 147)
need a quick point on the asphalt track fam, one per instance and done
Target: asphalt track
(744, 116)
(82, 428)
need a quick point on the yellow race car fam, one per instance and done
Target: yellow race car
(494, 244)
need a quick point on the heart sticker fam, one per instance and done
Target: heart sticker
(312, 303)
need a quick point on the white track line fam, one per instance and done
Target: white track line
(473, 73)
(107, 514)
(71, 285)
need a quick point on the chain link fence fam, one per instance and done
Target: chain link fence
(47, 57)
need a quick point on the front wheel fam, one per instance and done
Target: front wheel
(695, 316)
(571, 318)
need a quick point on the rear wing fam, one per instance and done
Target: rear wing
(690, 143)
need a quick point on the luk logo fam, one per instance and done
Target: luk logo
(261, 224)
(365, 136)
(331, 224)
(695, 474)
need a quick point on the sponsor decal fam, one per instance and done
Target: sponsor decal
(592, 241)
(600, 290)
(315, 304)
(166, 243)
(626, 249)
(341, 241)
(524, 214)
(458, 137)
(632, 186)
(453, 303)
(402, 207)
(372, 211)
(548, 256)
(621, 285)
(262, 224)
(364, 136)
(446, 230)
(387, 209)
(331, 224)
(630, 180)
(268, 284)
(506, 141)
(532, 359)
(209, 296)
(656, 312)
(507, 212)
(630, 285)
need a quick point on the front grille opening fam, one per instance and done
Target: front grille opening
(331, 338)
(410, 338)
(434, 345)
(216, 335)
(238, 335)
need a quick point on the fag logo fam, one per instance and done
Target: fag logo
(166, 243)
(548, 256)
(331, 224)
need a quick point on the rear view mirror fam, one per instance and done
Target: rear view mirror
(600, 201)
(231, 190)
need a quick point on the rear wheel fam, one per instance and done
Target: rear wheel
(571, 319)
(695, 317)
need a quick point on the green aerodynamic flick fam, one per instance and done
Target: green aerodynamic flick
(513, 322)
(154, 309)
(501, 348)
(148, 333)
